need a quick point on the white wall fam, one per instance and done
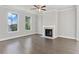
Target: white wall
(77, 22)
(66, 23)
(4, 34)
(47, 19)
(39, 23)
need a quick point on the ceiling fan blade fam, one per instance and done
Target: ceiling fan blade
(43, 9)
(36, 6)
(43, 6)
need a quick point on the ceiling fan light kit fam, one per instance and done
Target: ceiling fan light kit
(40, 8)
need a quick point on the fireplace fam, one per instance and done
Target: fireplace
(48, 32)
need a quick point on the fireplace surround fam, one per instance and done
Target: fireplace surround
(49, 32)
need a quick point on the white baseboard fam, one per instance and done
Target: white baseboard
(8, 38)
(39, 33)
(77, 39)
(67, 37)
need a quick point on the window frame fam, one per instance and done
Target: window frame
(30, 22)
(17, 22)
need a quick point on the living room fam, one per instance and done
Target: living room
(39, 31)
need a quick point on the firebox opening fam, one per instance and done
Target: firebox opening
(48, 32)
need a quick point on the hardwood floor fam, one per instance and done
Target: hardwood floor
(35, 44)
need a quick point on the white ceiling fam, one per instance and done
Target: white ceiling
(48, 7)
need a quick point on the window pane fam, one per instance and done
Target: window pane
(27, 23)
(12, 21)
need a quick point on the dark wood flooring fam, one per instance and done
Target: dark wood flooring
(34, 44)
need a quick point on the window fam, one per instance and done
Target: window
(27, 23)
(12, 21)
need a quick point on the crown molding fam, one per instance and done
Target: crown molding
(67, 9)
(31, 12)
(16, 9)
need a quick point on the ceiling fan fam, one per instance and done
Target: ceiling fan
(39, 7)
